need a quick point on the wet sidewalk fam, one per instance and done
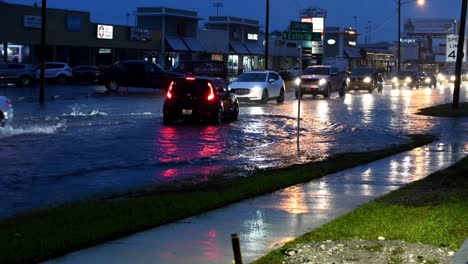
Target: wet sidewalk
(266, 222)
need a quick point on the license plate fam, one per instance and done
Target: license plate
(186, 111)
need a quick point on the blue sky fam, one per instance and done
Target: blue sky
(382, 14)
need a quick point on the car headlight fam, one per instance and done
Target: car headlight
(408, 79)
(367, 80)
(322, 82)
(394, 79)
(297, 81)
(256, 89)
(441, 76)
(348, 80)
(427, 80)
(452, 78)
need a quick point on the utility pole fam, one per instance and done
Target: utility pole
(267, 34)
(369, 30)
(460, 54)
(43, 52)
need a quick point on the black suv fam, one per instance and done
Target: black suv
(19, 73)
(211, 68)
(135, 73)
(365, 78)
(405, 78)
(200, 98)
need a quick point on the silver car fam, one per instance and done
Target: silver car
(6, 111)
(19, 73)
(259, 86)
(59, 71)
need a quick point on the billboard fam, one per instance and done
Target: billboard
(318, 27)
(105, 32)
(441, 26)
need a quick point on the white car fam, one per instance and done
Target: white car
(6, 111)
(259, 86)
(59, 71)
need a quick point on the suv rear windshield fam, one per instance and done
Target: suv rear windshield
(317, 71)
(196, 87)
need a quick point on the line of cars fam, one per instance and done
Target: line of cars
(23, 74)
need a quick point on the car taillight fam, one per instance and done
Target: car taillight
(211, 96)
(190, 78)
(169, 91)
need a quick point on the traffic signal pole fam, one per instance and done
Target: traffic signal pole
(460, 54)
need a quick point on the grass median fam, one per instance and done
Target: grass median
(432, 211)
(39, 235)
(446, 110)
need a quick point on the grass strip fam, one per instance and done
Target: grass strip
(432, 211)
(446, 110)
(43, 234)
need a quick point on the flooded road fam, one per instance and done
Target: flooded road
(83, 142)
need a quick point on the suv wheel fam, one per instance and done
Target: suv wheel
(264, 99)
(280, 98)
(343, 90)
(24, 81)
(112, 86)
(327, 92)
(62, 79)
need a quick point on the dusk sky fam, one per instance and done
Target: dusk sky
(382, 14)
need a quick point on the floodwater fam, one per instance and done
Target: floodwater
(85, 143)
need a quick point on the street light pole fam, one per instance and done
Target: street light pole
(267, 28)
(399, 32)
(420, 2)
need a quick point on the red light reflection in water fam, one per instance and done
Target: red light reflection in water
(189, 144)
(210, 246)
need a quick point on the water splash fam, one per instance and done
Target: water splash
(78, 111)
(9, 130)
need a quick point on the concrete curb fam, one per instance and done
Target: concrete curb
(461, 257)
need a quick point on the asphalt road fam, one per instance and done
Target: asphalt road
(85, 142)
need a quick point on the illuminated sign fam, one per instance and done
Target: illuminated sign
(105, 32)
(141, 34)
(104, 51)
(352, 43)
(331, 42)
(319, 27)
(252, 36)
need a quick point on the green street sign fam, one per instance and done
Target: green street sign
(303, 36)
(300, 26)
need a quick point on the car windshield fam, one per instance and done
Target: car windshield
(361, 71)
(403, 74)
(317, 71)
(252, 77)
(194, 87)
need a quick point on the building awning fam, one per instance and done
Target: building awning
(176, 43)
(378, 51)
(254, 48)
(238, 47)
(194, 45)
(353, 53)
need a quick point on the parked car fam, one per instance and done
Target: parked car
(405, 78)
(136, 73)
(199, 98)
(19, 73)
(6, 111)
(427, 79)
(57, 71)
(212, 68)
(259, 86)
(322, 79)
(365, 78)
(86, 73)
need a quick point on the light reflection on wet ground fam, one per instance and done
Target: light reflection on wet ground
(76, 148)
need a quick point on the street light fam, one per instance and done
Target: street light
(420, 3)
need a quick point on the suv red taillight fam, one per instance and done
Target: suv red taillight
(211, 96)
(169, 90)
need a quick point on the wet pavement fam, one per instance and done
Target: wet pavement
(267, 222)
(85, 142)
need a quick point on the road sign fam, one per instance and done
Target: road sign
(300, 26)
(451, 50)
(303, 36)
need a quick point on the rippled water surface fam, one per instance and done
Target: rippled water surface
(84, 143)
